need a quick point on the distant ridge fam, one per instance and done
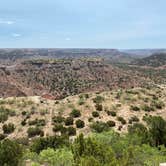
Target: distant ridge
(155, 60)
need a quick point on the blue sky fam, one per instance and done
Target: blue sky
(83, 23)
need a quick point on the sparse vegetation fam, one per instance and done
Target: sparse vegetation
(5, 113)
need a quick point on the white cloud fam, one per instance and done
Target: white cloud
(68, 39)
(7, 22)
(16, 34)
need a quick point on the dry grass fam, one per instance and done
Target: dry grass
(38, 108)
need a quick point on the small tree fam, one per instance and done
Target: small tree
(54, 142)
(157, 130)
(10, 153)
(59, 157)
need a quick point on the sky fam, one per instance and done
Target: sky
(122, 24)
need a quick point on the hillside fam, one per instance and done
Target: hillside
(79, 111)
(155, 60)
(63, 77)
(114, 109)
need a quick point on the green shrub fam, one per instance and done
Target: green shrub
(57, 157)
(58, 119)
(75, 113)
(32, 122)
(8, 128)
(54, 142)
(86, 96)
(34, 131)
(56, 102)
(93, 152)
(99, 107)
(43, 111)
(134, 108)
(98, 99)
(80, 123)
(133, 119)
(27, 116)
(37, 122)
(12, 113)
(157, 104)
(99, 126)
(63, 130)
(121, 119)
(157, 130)
(90, 119)
(4, 113)
(2, 136)
(148, 108)
(81, 101)
(111, 123)
(23, 123)
(42, 133)
(10, 153)
(89, 161)
(95, 114)
(140, 131)
(24, 113)
(41, 122)
(3, 117)
(23, 141)
(57, 127)
(120, 127)
(71, 131)
(112, 113)
(69, 121)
